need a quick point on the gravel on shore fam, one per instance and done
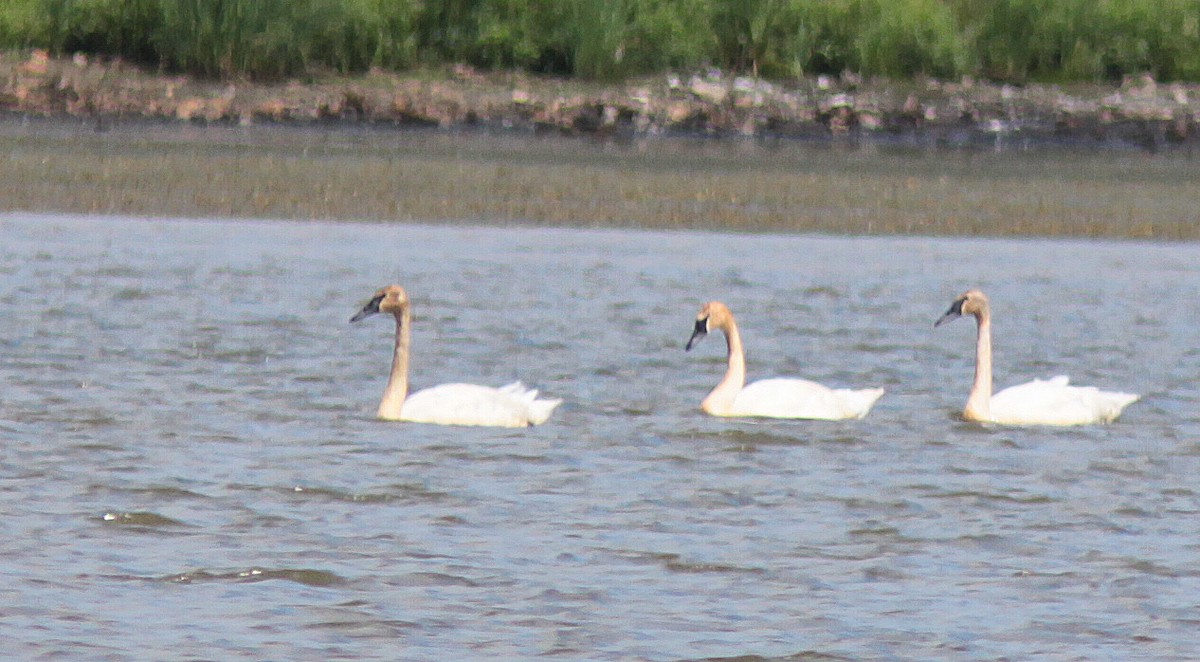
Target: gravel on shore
(1140, 113)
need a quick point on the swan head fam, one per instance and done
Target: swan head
(391, 299)
(971, 302)
(712, 315)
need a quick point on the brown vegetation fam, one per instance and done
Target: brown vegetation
(353, 173)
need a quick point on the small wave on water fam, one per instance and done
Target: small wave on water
(802, 656)
(142, 520)
(389, 494)
(305, 576)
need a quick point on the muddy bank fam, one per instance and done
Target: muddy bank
(343, 172)
(1141, 113)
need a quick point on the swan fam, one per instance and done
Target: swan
(1039, 402)
(774, 398)
(509, 406)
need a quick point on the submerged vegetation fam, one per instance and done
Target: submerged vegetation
(1006, 40)
(374, 175)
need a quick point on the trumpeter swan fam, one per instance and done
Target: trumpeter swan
(774, 398)
(1039, 402)
(510, 406)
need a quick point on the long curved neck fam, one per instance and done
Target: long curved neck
(397, 386)
(720, 400)
(979, 403)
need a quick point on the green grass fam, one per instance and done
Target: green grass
(1011, 40)
(20, 24)
(1089, 39)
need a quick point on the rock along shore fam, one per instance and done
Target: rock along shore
(1140, 113)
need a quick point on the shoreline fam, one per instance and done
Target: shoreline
(92, 138)
(1140, 114)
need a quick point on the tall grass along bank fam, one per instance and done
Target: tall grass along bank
(1008, 40)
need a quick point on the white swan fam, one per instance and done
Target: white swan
(774, 398)
(1039, 402)
(509, 406)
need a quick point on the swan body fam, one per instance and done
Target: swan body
(1051, 401)
(771, 398)
(510, 406)
(782, 397)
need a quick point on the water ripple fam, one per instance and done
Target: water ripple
(141, 520)
(189, 395)
(305, 576)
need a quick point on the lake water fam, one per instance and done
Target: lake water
(190, 468)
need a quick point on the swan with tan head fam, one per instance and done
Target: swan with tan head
(509, 406)
(1039, 402)
(772, 398)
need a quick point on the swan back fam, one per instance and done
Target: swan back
(1055, 402)
(801, 398)
(511, 406)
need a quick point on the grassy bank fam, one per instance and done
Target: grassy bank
(1009, 40)
(675, 184)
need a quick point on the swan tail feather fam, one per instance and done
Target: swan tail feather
(859, 402)
(1114, 404)
(516, 388)
(538, 410)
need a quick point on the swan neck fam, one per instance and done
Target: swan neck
(397, 386)
(979, 403)
(720, 400)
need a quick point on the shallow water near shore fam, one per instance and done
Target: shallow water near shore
(379, 174)
(191, 468)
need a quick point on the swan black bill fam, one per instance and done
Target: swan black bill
(700, 331)
(954, 313)
(371, 308)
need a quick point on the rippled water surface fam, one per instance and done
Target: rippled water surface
(190, 467)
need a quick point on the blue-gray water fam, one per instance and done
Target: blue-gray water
(189, 467)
